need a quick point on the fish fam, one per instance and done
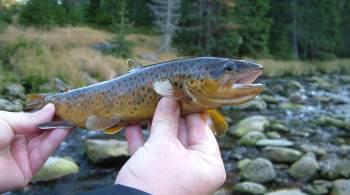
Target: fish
(200, 85)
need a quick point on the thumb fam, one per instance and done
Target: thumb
(166, 119)
(26, 123)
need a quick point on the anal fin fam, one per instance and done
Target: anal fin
(56, 124)
(218, 123)
(97, 123)
(114, 129)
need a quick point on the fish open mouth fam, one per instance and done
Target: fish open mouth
(246, 80)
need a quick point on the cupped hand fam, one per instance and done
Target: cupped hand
(181, 156)
(23, 147)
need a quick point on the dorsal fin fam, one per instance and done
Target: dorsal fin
(133, 65)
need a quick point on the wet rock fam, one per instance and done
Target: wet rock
(273, 135)
(106, 151)
(323, 84)
(328, 167)
(104, 47)
(345, 79)
(293, 84)
(323, 99)
(279, 154)
(274, 142)
(269, 99)
(15, 90)
(278, 127)
(7, 105)
(316, 189)
(295, 191)
(251, 138)
(243, 163)
(304, 168)
(343, 168)
(296, 98)
(259, 170)
(292, 106)
(223, 191)
(249, 188)
(341, 187)
(54, 168)
(313, 148)
(256, 104)
(332, 122)
(253, 123)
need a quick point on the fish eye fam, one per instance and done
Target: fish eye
(229, 67)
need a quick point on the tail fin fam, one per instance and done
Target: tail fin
(35, 101)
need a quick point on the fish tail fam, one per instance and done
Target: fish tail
(35, 101)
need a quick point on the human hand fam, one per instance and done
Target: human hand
(181, 156)
(23, 147)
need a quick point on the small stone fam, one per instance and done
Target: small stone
(293, 84)
(313, 148)
(223, 191)
(323, 99)
(292, 106)
(328, 167)
(54, 168)
(269, 99)
(332, 122)
(273, 135)
(256, 104)
(287, 192)
(251, 138)
(304, 168)
(259, 170)
(274, 142)
(105, 151)
(253, 123)
(15, 90)
(279, 154)
(343, 168)
(278, 127)
(243, 163)
(316, 189)
(296, 98)
(323, 84)
(341, 187)
(249, 188)
(7, 105)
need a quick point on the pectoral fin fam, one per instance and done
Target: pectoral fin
(56, 124)
(114, 129)
(218, 123)
(165, 88)
(96, 123)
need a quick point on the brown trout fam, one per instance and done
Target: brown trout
(199, 84)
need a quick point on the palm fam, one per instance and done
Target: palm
(23, 148)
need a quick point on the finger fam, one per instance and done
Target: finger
(199, 133)
(134, 137)
(26, 123)
(183, 132)
(165, 122)
(47, 145)
(6, 134)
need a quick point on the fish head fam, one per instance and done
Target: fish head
(226, 81)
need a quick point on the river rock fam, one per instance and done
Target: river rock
(328, 166)
(269, 99)
(106, 151)
(278, 127)
(295, 191)
(274, 142)
(332, 122)
(7, 105)
(253, 123)
(54, 168)
(279, 154)
(343, 168)
(251, 138)
(259, 170)
(256, 104)
(323, 84)
(304, 168)
(273, 135)
(243, 163)
(15, 90)
(296, 98)
(316, 189)
(292, 106)
(249, 188)
(341, 187)
(313, 148)
(293, 84)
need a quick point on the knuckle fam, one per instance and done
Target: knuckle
(165, 123)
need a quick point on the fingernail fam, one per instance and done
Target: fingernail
(168, 105)
(47, 108)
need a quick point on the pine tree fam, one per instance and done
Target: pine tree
(254, 26)
(91, 11)
(167, 14)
